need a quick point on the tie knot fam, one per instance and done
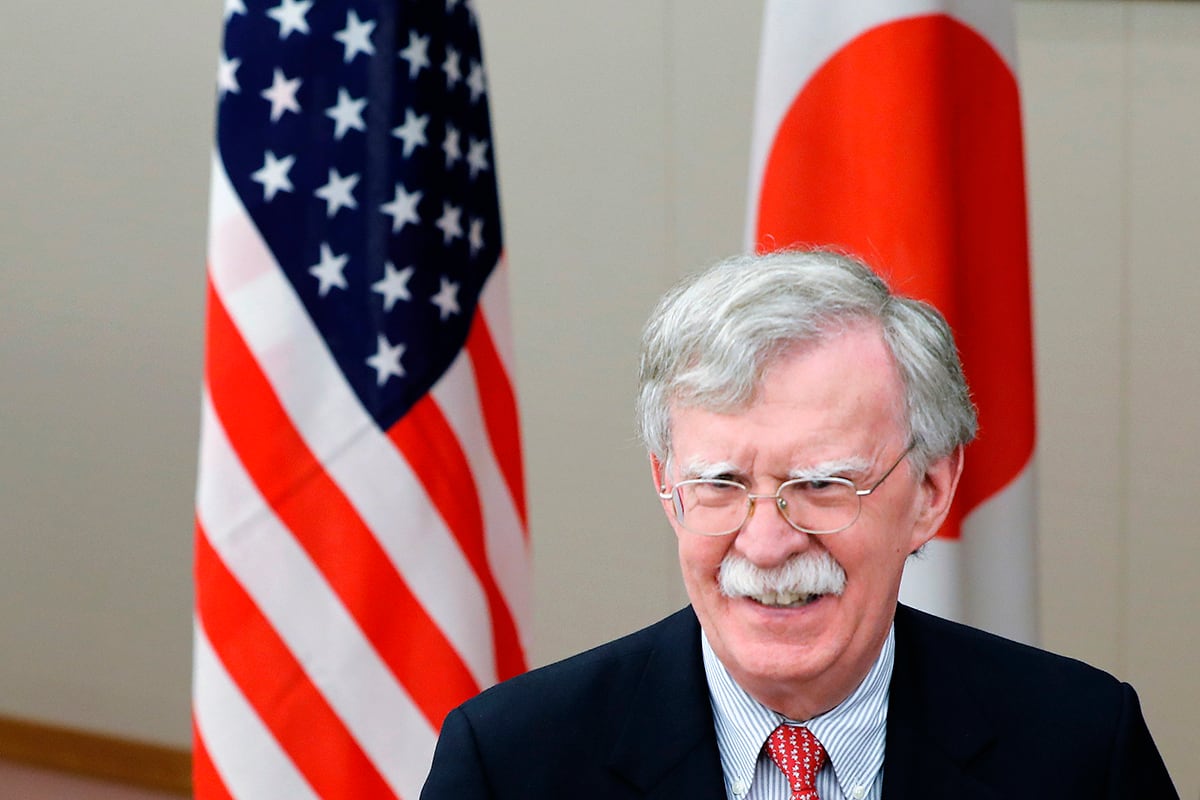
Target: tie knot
(799, 756)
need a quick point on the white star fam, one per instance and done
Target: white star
(273, 175)
(234, 7)
(475, 235)
(386, 361)
(356, 36)
(476, 82)
(337, 193)
(403, 208)
(282, 94)
(227, 76)
(329, 270)
(394, 285)
(416, 54)
(451, 146)
(290, 16)
(347, 114)
(412, 132)
(451, 68)
(450, 223)
(477, 156)
(446, 299)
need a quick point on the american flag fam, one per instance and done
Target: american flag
(361, 547)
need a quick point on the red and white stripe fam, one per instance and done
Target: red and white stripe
(981, 569)
(353, 584)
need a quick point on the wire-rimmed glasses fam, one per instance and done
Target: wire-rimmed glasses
(718, 507)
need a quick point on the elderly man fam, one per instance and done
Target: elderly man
(806, 430)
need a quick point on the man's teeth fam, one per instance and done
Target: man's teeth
(785, 599)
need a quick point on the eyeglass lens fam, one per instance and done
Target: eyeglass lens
(718, 507)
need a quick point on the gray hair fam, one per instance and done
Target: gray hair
(711, 338)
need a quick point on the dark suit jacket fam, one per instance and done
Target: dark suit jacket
(970, 715)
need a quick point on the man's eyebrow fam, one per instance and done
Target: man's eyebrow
(701, 469)
(834, 466)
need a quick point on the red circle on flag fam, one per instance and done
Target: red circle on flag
(905, 149)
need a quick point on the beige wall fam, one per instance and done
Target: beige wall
(1111, 119)
(104, 136)
(622, 137)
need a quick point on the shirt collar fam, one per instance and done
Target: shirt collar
(853, 732)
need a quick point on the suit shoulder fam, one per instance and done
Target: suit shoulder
(995, 702)
(581, 727)
(583, 683)
(1000, 667)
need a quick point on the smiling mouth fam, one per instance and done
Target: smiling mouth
(785, 599)
(801, 581)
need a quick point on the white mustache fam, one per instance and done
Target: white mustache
(803, 574)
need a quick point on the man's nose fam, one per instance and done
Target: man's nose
(767, 539)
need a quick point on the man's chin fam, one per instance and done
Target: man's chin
(776, 660)
(768, 623)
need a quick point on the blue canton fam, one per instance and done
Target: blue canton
(357, 136)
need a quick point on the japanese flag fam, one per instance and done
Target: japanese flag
(891, 129)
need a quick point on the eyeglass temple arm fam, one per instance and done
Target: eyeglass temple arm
(891, 469)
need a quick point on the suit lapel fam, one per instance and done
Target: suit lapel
(667, 746)
(916, 766)
(934, 728)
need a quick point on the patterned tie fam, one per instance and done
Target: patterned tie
(799, 756)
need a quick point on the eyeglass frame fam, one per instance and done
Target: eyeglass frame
(780, 502)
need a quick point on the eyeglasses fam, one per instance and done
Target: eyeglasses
(718, 507)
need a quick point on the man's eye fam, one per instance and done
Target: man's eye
(723, 485)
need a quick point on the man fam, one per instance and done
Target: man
(806, 431)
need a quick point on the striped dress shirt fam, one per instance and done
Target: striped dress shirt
(853, 734)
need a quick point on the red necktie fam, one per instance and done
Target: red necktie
(798, 755)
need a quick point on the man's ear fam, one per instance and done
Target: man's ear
(658, 474)
(936, 493)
